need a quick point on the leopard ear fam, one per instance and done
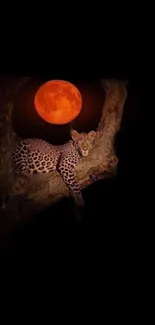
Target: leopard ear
(91, 135)
(74, 135)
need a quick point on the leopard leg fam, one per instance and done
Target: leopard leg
(66, 169)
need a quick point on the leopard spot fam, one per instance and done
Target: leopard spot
(62, 170)
(35, 158)
(35, 171)
(71, 177)
(51, 169)
(32, 166)
(41, 168)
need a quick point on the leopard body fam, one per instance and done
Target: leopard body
(34, 156)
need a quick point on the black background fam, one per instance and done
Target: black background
(114, 207)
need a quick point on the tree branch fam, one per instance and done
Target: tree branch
(102, 161)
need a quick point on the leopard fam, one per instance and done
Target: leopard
(33, 156)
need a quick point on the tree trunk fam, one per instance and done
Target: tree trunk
(102, 161)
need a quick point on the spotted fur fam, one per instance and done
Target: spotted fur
(34, 156)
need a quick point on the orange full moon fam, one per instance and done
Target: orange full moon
(58, 102)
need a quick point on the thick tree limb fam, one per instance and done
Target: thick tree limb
(102, 161)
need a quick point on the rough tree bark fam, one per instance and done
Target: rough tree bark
(101, 162)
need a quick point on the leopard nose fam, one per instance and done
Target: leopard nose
(85, 147)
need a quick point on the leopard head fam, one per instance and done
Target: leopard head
(83, 142)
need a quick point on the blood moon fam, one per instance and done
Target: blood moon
(58, 102)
